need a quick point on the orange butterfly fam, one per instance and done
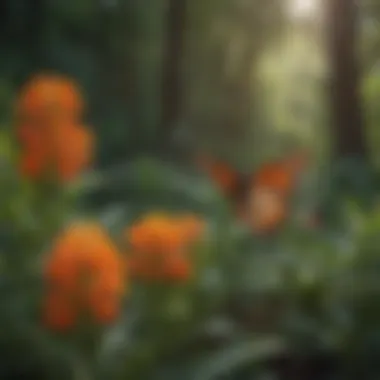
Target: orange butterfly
(261, 200)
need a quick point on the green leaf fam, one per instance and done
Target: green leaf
(238, 355)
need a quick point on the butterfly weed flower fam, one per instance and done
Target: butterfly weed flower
(64, 153)
(84, 276)
(160, 246)
(47, 97)
(52, 139)
(73, 148)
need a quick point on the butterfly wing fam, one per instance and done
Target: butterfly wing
(224, 177)
(270, 192)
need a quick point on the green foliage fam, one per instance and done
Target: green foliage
(301, 289)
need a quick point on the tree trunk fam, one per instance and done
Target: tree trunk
(345, 79)
(172, 96)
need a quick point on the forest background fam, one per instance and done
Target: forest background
(245, 81)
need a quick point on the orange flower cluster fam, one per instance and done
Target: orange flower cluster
(49, 129)
(160, 246)
(84, 275)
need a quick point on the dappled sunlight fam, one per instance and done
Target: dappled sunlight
(292, 91)
(299, 9)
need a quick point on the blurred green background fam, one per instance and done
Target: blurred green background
(245, 81)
